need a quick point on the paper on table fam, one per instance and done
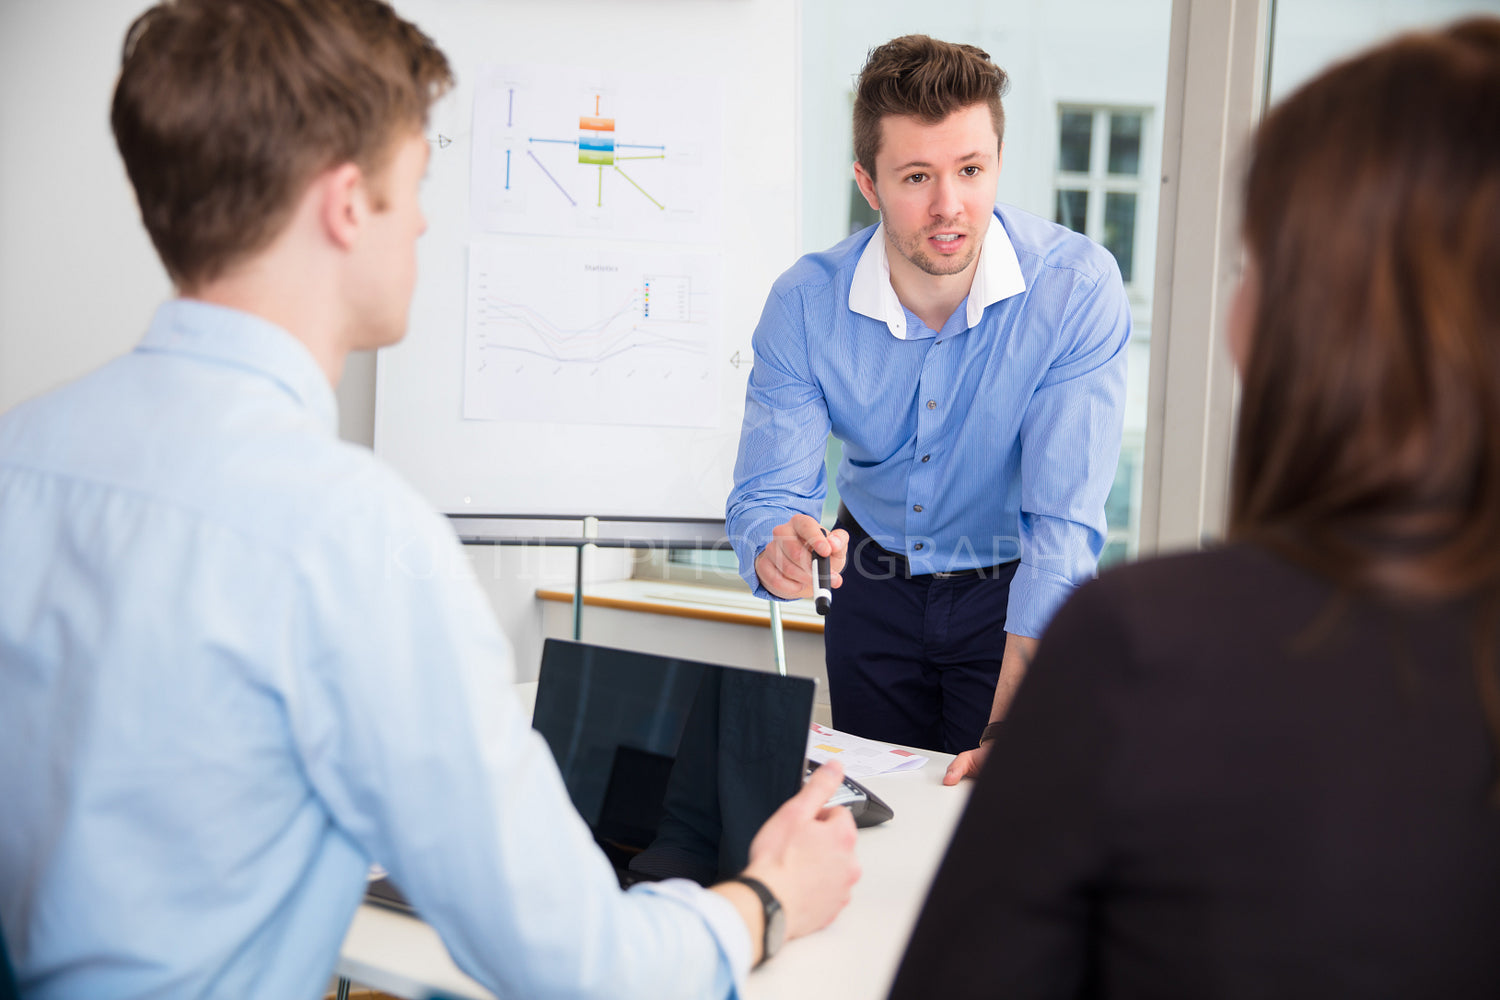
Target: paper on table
(861, 757)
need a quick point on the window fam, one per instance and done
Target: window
(1099, 175)
(1124, 498)
(1100, 191)
(1234, 57)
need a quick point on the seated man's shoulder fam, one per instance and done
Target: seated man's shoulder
(305, 486)
(216, 450)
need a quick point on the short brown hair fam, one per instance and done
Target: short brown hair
(925, 79)
(225, 109)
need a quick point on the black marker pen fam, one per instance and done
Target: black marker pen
(823, 594)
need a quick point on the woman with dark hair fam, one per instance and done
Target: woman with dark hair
(1270, 769)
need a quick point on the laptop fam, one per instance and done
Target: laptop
(674, 764)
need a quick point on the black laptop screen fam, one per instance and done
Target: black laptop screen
(674, 764)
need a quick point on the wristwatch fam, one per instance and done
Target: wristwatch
(775, 932)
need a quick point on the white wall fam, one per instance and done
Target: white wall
(68, 224)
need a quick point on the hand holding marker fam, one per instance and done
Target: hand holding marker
(823, 593)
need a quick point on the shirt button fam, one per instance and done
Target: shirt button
(932, 404)
(917, 508)
(926, 457)
(918, 546)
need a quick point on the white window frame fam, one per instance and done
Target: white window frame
(1215, 94)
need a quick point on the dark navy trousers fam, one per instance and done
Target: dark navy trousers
(914, 659)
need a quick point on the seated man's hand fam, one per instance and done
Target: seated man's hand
(805, 854)
(785, 565)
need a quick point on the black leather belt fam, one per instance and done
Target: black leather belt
(859, 534)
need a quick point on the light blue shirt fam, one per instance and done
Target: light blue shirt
(241, 660)
(992, 439)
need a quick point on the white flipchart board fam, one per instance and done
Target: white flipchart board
(742, 59)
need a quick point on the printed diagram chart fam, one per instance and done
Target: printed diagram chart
(583, 335)
(562, 151)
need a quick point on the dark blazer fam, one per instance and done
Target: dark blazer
(1223, 779)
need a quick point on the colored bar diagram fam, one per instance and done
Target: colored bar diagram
(596, 148)
(596, 141)
(645, 160)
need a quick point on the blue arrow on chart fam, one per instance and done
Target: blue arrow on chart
(507, 170)
(564, 142)
(552, 179)
(628, 145)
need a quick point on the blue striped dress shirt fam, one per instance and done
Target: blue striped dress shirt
(992, 439)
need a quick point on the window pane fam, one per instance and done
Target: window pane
(1075, 134)
(1310, 35)
(1124, 495)
(1119, 230)
(1072, 209)
(1125, 144)
(831, 461)
(715, 559)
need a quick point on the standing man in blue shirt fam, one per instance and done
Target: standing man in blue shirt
(971, 358)
(239, 659)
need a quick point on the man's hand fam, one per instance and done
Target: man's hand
(785, 564)
(805, 855)
(966, 765)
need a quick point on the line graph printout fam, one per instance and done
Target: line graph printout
(567, 334)
(567, 151)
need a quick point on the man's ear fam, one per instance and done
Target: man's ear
(344, 203)
(866, 186)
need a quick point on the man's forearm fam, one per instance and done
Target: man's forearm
(1019, 649)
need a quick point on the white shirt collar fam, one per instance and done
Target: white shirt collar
(997, 276)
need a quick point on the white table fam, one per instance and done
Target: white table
(855, 958)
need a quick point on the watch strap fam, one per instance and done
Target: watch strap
(770, 907)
